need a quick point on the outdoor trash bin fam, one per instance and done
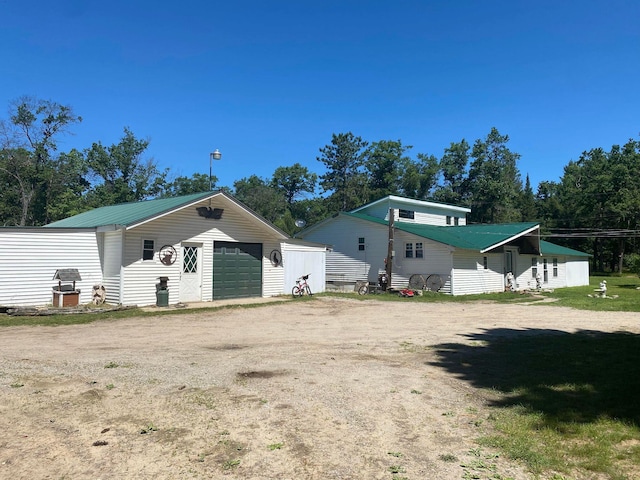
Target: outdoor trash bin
(162, 292)
(162, 298)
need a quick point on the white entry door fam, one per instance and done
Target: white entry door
(191, 276)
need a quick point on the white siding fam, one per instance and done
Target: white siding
(236, 225)
(437, 260)
(471, 277)
(112, 265)
(30, 258)
(346, 263)
(429, 214)
(576, 271)
(300, 260)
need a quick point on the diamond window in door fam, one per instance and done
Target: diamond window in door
(190, 262)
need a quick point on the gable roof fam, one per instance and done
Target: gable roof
(548, 248)
(410, 202)
(468, 237)
(130, 215)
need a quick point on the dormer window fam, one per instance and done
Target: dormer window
(410, 214)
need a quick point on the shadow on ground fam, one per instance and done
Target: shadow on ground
(569, 377)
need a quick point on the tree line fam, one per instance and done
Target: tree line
(595, 207)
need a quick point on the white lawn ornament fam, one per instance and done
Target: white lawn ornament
(510, 282)
(601, 291)
(603, 288)
(98, 294)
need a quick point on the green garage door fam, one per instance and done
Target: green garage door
(237, 270)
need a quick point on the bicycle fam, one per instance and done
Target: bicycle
(302, 287)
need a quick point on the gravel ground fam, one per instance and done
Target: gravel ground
(326, 389)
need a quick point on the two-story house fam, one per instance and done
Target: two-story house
(432, 246)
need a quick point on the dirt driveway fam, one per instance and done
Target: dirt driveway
(327, 389)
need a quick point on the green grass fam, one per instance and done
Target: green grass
(560, 402)
(622, 287)
(81, 318)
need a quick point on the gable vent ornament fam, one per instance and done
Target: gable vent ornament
(208, 212)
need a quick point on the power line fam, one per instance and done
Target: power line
(591, 233)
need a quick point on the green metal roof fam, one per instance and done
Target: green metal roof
(548, 248)
(473, 237)
(468, 237)
(128, 214)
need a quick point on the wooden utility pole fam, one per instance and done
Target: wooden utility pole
(389, 260)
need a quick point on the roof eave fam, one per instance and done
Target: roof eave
(512, 238)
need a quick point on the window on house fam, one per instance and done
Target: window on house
(545, 270)
(534, 267)
(485, 263)
(448, 219)
(406, 214)
(408, 250)
(456, 221)
(361, 244)
(148, 249)
(555, 267)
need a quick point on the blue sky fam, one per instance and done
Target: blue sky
(269, 82)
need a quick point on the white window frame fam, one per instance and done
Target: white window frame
(408, 250)
(145, 249)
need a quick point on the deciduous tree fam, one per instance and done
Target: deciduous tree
(345, 178)
(121, 173)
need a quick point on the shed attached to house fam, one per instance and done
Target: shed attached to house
(208, 246)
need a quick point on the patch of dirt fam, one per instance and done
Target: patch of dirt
(327, 389)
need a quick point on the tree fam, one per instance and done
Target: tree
(294, 181)
(198, 182)
(385, 162)
(453, 166)
(528, 211)
(257, 194)
(345, 179)
(28, 162)
(494, 180)
(121, 173)
(418, 178)
(600, 192)
(67, 186)
(548, 205)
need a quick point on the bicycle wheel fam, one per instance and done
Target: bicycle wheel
(308, 290)
(297, 291)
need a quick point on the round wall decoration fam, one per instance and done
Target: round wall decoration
(276, 257)
(168, 255)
